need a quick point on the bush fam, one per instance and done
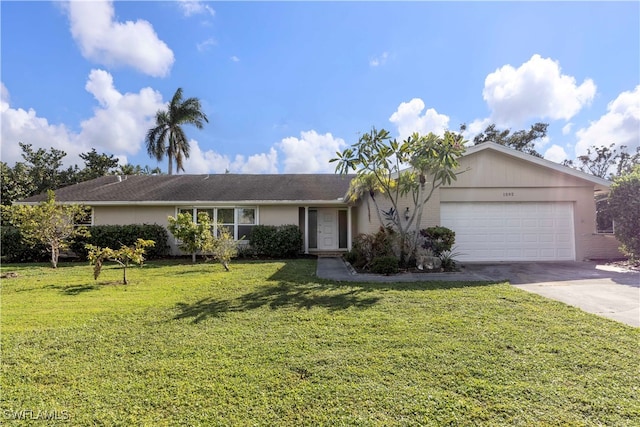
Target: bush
(366, 247)
(14, 249)
(283, 241)
(438, 239)
(384, 265)
(624, 205)
(115, 236)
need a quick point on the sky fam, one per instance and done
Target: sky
(287, 84)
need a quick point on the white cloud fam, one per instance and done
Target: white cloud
(257, 163)
(19, 125)
(555, 153)
(207, 44)
(620, 125)
(195, 7)
(566, 129)
(212, 162)
(408, 119)
(536, 89)
(311, 153)
(118, 126)
(379, 60)
(121, 122)
(111, 43)
(235, 59)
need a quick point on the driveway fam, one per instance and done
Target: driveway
(596, 288)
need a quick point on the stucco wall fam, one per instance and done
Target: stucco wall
(366, 225)
(122, 215)
(278, 215)
(491, 176)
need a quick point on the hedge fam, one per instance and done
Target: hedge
(283, 241)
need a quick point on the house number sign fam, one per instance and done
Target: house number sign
(508, 194)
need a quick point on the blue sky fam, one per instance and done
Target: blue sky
(286, 84)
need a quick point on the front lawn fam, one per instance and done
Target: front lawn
(269, 344)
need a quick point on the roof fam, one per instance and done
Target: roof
(191, 189)
(599, 183)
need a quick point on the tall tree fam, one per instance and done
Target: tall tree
(40, 171)
(606, 162)
(167, 138)
(624, 205)
(522, 140)
(96, 165)
(380, 164)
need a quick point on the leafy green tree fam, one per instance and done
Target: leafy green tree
(381, 165)
(123, 256)
(624, 205)
(49, 223)
(16, 183)
(45, 169)
(96, 165)
(522, 140)
(193, 237)
(606, 162)
(167, 138)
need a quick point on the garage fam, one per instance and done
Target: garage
(511, 231)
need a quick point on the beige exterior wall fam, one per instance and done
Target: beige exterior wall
(123, 215)
(366, 225)
(277, 215)
(492, 176)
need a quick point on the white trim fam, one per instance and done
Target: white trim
(306, 229)
(234, 203)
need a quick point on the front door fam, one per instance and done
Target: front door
(327, 229)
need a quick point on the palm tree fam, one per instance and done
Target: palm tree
(167, 137)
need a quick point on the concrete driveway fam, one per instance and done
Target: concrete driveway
(596, 288)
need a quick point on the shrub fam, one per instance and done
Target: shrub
(384, 265)
(283, 241)
(438, 239)
(115, 236)
(624, 205)
(366, 247)
(15, 249)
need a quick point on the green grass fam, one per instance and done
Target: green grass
(270, 344)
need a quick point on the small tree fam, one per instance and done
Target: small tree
(49, 223)
(193, 237)
(123, 256)
(382, 165)
(223, 247)
(624, 205)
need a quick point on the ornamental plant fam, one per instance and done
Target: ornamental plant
(123, 256)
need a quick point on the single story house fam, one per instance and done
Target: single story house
(505, 206)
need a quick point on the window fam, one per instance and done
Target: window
(239, 221)
(604, 221)
(246, 222)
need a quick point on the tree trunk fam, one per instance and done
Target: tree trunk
(124, 276)
(193, 257)
(55, 254)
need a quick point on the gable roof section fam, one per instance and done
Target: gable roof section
(182, 189)
(599, 183)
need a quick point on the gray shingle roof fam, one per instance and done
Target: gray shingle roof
(204, 188)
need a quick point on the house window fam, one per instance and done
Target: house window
(604, 221)
(239, 221)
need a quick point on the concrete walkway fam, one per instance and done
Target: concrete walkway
(595, 288)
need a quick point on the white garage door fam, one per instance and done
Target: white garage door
(511, 231)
